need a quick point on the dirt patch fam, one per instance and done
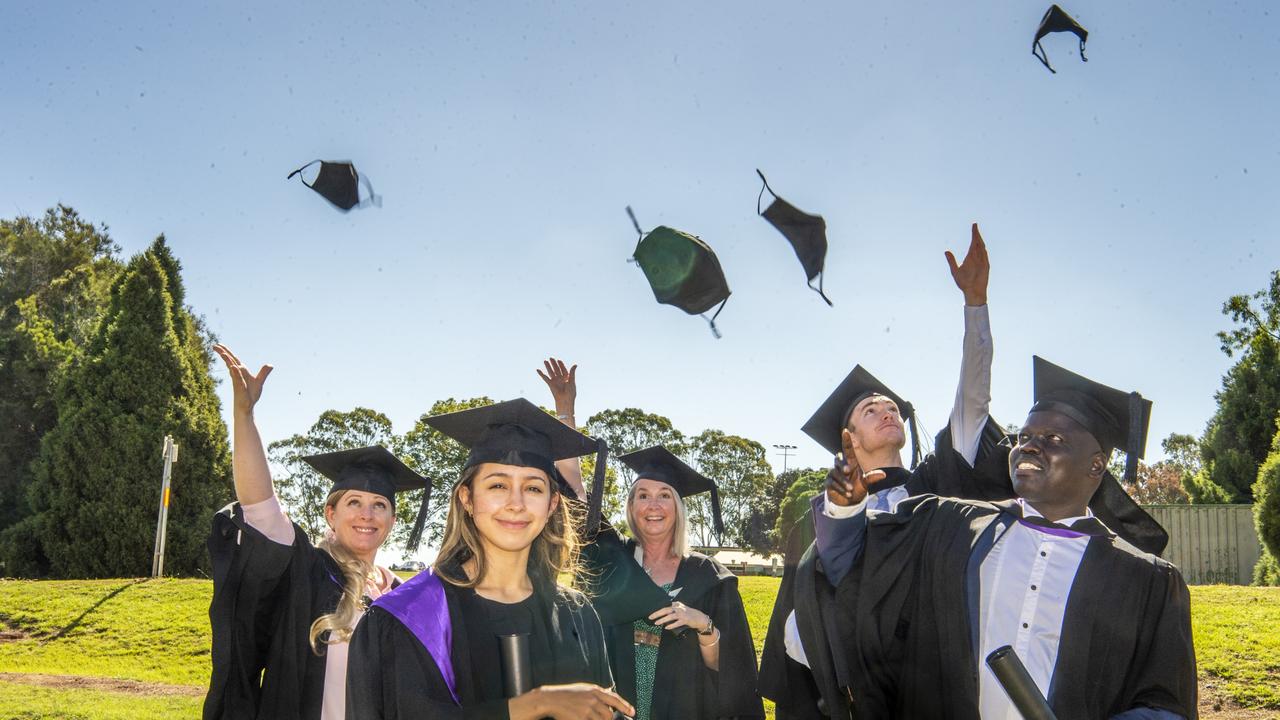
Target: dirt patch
(82, 682)
(1215, 705)
(10, 635)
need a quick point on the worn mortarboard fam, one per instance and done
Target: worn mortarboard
(682, 270)
(659, 463)
(339, 183)
(1057, 20)
(830, 420)
(517, 432)
(1117, 419)
(806, 233)
(377, 470)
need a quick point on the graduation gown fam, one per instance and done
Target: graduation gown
(265, 598)
(685, 688)
(820, 690)
(412, 657)
(1126, 632)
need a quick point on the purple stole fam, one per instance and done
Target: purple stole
(421, 606)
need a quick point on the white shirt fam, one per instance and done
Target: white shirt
(968, 417)
(1026, 580)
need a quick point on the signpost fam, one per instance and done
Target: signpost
(162, 523)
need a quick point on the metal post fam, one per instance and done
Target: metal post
(162, 522)
(786, 452)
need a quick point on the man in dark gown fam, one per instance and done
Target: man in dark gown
(937, 584)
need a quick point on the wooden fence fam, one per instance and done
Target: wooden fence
(1210, 543)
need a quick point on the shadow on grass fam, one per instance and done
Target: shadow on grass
(76, 623)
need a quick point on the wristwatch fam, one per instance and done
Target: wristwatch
(711, 627)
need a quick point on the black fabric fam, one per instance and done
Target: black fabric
(1057, 20)
(337, 182)
(685, 689)
(806, 233)
(1126, 635)
(265, 598)
(391, 676)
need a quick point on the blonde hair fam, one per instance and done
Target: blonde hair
(680, 537)
(553, 553)
(340, 623)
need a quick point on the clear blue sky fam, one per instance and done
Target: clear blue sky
(1122, 199)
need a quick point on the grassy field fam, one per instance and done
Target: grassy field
(147, 644)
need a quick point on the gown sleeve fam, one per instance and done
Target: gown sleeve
(736, 687)
(1165, 678)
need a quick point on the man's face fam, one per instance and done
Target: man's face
(1056, 465)
(876, 424)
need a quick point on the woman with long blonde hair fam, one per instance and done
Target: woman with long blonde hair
(438, 647)
(283, 609)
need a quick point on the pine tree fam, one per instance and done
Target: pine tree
(144, 375)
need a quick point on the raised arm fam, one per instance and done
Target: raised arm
(248, 458)
(973, 395)
(563, 383)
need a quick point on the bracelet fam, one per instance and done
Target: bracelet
(713, 642)
(560, 416)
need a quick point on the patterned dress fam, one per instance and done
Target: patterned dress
(646, 664)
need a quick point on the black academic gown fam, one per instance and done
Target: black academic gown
(392, 675)
(1126, 633)
(265, 598)
(684, 688)
(822, 689)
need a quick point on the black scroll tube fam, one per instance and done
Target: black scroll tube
(1017, 683)
(517, 675)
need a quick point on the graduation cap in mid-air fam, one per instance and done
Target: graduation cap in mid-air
(682, 270)
(517, 432)
(806, 233)
(374, 469)
(1115, 418)
(1057, 20)
(832, 417)
(339, 183)
(659, 463)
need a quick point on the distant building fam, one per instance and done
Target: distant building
(745, 562)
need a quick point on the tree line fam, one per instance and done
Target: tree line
(101, 357)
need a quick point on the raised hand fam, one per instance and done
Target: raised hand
(846, 483)
(562, 382)
(246, 388)
(971, 275)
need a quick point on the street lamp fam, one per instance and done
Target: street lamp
(786, 453)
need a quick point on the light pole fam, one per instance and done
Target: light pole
(786, 453)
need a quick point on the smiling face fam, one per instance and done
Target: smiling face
(876, 425)
(652, 510)
(361, 521)
(509, 504)
(1056, 465)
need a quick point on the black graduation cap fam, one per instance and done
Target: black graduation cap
(517, 432)
(682, 270)
(339, 183)
(374, 469)
(1057, 20)
(830, 420)
(659, 463)
(806, 233)
(1117, 419)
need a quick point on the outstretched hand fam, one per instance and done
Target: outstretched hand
(246, 388)
(846, 483)
(562, 382)
(971, 275)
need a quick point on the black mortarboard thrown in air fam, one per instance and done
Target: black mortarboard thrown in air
(659, 463)
(682, 270)
(517, 432)
(1117, 419)
(377, 470)
(1057, 20)
(806, 233)
(339, 183)
(830, 420)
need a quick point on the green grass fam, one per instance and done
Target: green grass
(36, 703)
(158, 631)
